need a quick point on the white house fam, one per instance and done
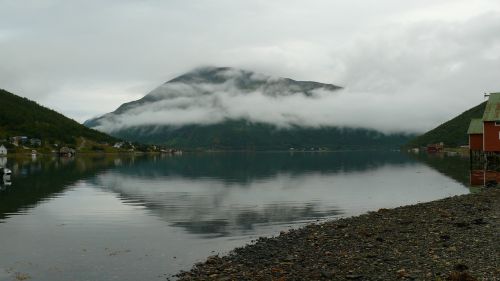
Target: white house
(118, 145)
(3, 150)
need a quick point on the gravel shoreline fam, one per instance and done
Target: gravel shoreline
(455, 238)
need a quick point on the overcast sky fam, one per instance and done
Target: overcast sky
(427, 60)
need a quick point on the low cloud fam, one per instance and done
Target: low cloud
(178, 104)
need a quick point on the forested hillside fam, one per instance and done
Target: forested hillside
(22, 117)
(243, 135)
(453, 132)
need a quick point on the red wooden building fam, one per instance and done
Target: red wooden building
(491, 124)
(475, 133)
(484, 134)
(435, 147)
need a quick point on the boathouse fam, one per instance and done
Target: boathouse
(484, 133)
(475, 133)
(491, 124)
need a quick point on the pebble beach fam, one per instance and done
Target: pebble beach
(456, 238)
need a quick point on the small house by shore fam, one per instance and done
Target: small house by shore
(35, 142)
(66, 151)
(19, 140)
(118, 145)
(435, 147)
(491, 124)
(484, 133)
(475, 133)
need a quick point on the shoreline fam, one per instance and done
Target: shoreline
(93, 153)
(455, 238)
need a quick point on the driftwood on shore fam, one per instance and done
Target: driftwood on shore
(456, 238)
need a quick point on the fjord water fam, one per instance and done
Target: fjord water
(147, 217)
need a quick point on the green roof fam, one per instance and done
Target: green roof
(475, 127)
(492, 110)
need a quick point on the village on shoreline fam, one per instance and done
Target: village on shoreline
(24, 145)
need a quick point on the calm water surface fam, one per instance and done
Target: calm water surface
(146, 218)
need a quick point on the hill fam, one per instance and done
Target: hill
(452, 133)
(170, 114)
(22, 117)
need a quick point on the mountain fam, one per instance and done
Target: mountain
(208, 108)
(452, 133)
(22, 117)
(203, 85)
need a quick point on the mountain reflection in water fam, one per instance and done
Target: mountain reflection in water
(229, 194)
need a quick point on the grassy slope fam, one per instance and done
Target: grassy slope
(453, 132)
(21, 116)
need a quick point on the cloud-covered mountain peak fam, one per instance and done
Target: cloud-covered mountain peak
(212, 74)
(228, 78)
(209, 95)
